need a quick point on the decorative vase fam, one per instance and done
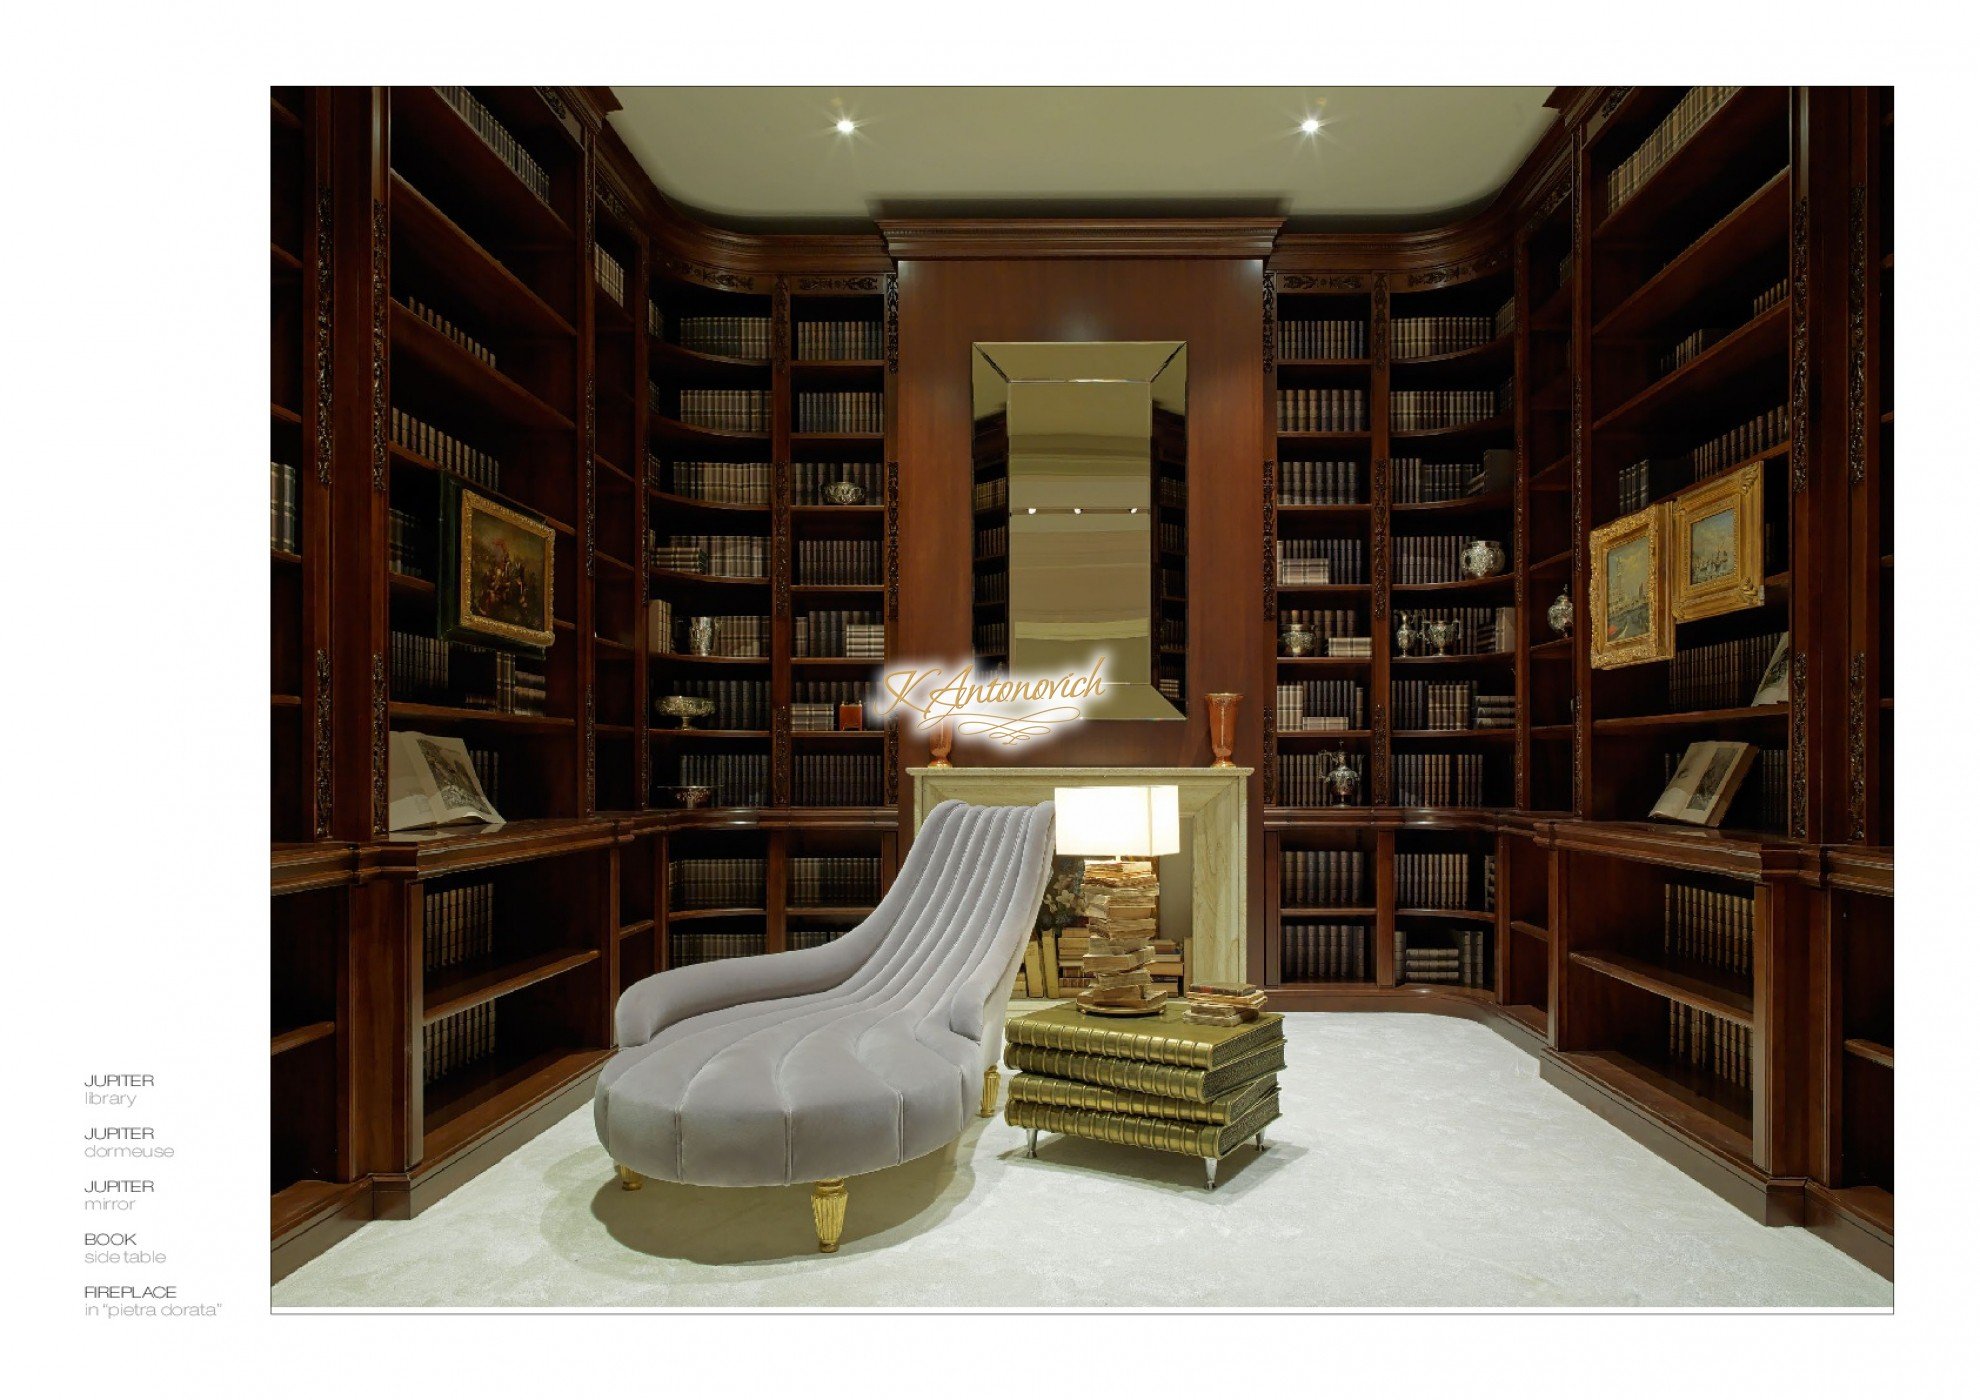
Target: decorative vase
(844, 493)
(701, 636)
(1441, 634)
(1342, 780)
(1560, 613)
(1223, 726)
(939, 746)
(1406, 635)
(1296, 640)
(1483, 558)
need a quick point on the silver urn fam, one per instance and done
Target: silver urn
(1483, 558)
(1342, 780)
(1296, 640)
(1441, 633)
(1406, 635)
(844, 493)
(1560, 613)
(701, 636)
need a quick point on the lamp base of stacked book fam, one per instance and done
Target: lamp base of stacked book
(1169, 1084)
(1222, 1003)
(1120, 926)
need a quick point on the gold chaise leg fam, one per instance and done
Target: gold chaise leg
(629, 1180)
(828, 1213)
(989, 1109)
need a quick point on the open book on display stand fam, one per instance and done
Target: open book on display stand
(433, 783)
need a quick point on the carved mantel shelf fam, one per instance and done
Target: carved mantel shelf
(1212, 803)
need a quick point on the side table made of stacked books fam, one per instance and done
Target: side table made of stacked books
(1156, 1081)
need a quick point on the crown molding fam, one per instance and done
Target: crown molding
(971, 239)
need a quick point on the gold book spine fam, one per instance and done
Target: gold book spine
(1162, 1135)
(1095, 1098)
(1168, 1081)
(1123, 1042)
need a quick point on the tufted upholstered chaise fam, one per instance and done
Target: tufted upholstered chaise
(820, 1064)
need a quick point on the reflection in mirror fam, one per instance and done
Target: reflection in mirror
(1079, 457)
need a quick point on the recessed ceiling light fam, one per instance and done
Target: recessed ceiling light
(1310, 126)
(846, 126)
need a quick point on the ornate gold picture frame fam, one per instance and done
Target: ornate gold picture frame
(1629, 604)
(1716, 546)
(499, 570)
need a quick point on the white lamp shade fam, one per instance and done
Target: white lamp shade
(1117, 821)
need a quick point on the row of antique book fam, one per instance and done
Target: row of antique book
(837, 340)
(835, 694)
(423, 312)
(991, 494)
(848, 632)
(1320, 561)
(1445, 880)
(1423, 956)
(1322, 879)
(827, 562)
(1307, 706)
(1451, 705)
(719, 556)
(1480, 631)
(726, 410)
(1424, 337)
(1725, 675)
(1652, 478)
(795, 938)
(849, 411)
(1708, 926)
(1438, 779)
(475, 678)
(1304, 483)
(723, 483)
(1324, 952)
(1421, 410)
(738, 704)
(1711, 1044)
(446, 451)
(717, 882)
(458, 1042)
(1169, 537)
(686, 947)
(498, 138)
(1413, 481)
(1323, 340)
(1303, 779)
(991, 638)
(1677, 127)
(1323, 410)
(406, 548)
(990, 587)
(1428, 558)
(840, 880)
(734, 779)
(809, 480)
(284, 510)
(993, 542)
(837, 780)
(738, 337)
(457, 923)
(611, 274)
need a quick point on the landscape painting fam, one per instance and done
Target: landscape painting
(1628, 594)
(1714, 547)
(1630, 580)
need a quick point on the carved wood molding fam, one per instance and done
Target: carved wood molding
(590, 748)
(591, 476)
(1378, 540)
(1469, 271)
(1323, 281)
(893, 762)
(893, 323)
(780, 321)
(1859, 328)
(952, 239)
(1859, 781)
(1378, 328)
(1798, 746)
(780, 755)
(1269, 765)
(1269, 335)
(380, 392)
(381, 703)
(1378, 755)
(1613, 100)
(1577, 490)
(707, 274)
(838, 284)
(320, 816)
(780, 534)
(325, 310)
(1548, 203)
(617, 203)
(1268, 573)
(1798, 350)
(892, 604)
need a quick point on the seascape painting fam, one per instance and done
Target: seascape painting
(1629, 584)
(1714, 547)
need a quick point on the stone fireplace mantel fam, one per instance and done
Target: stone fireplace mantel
(1212, 805)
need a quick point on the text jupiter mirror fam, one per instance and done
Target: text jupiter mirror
(1080, 475)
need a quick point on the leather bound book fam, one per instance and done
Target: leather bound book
(1166, 1039)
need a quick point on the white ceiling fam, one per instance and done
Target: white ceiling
(1383, 158)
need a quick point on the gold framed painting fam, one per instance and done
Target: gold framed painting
(1628, 594)
(498, 569)
(1716, 535)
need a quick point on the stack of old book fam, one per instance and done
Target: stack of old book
(1166, 1082)
(1120, 925)
(1222, 1003)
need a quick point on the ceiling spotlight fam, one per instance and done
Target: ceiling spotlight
(1031, 510)
(1310, 126)
(1075, 510)
(846, 126)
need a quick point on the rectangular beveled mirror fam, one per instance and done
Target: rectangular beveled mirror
(1080, 463)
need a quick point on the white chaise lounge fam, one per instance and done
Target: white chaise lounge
(821, 1064)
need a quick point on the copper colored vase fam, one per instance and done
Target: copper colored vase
(938, 747)
(1223, 726)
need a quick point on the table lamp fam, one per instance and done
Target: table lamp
(1128, 826)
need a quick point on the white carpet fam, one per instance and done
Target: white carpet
(1420, 1163)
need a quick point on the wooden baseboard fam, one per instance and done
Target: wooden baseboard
(1833, 1216)
(335, 1217)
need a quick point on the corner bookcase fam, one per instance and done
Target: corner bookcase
(1692, 283)
(479, 283)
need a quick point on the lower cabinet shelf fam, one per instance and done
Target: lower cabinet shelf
(462, 1106)
(1706, 1108)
